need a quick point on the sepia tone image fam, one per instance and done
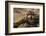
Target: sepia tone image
(25, 17)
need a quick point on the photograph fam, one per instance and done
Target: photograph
(24, 17)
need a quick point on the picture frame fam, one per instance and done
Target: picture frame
(18, 6)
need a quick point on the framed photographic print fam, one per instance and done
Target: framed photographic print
(24, 17)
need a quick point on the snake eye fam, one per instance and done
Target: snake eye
(29, 16)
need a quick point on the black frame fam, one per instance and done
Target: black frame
(6, 18)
